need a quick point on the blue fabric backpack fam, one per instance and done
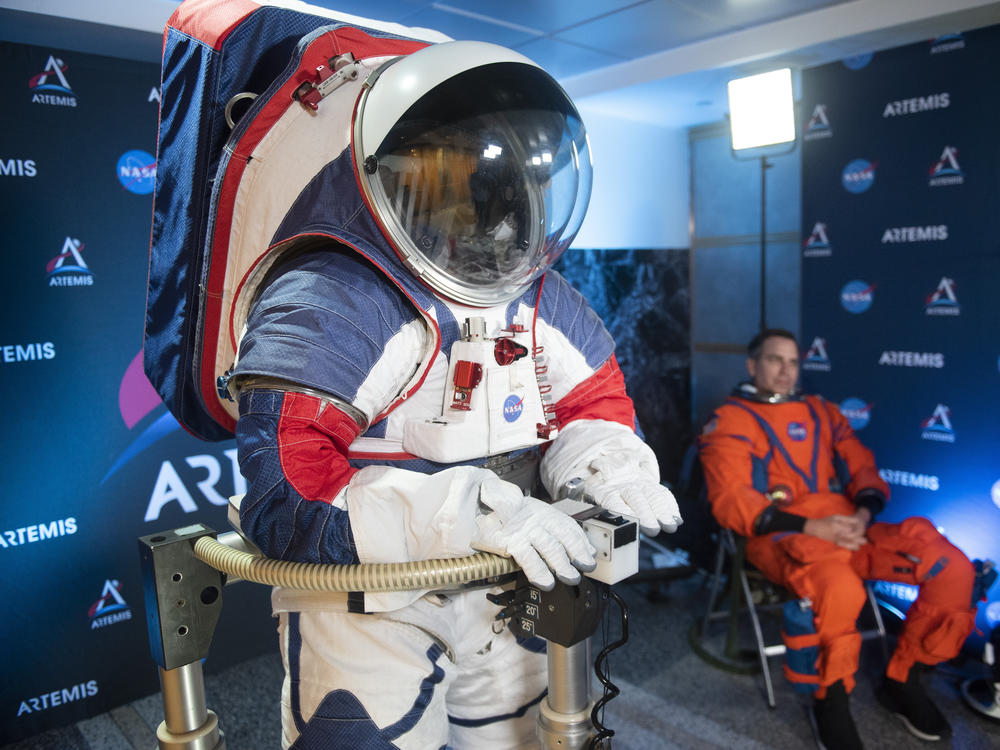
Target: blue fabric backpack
(231, 70)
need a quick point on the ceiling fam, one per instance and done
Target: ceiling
(664, 62)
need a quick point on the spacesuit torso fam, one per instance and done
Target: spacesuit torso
(386, 362)
(804, 445)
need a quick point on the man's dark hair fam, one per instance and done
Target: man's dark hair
(756, 345)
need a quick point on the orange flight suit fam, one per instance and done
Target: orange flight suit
(750, 447)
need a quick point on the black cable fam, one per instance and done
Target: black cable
(603, 675)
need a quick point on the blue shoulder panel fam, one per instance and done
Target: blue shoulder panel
(323, 320)
(565, 309)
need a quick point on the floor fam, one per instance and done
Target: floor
(670, 698)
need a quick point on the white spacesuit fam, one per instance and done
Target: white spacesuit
(401, 389)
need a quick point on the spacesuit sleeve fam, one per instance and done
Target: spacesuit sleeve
(730, 461)
(347, 344)
(865, 486)
(594, 413)
(292, 452)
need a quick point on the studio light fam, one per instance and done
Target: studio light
(761, 111)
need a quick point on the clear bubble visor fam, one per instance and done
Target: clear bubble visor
(484, 181)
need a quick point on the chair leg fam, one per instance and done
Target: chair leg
(720, 557)
(759, 636)
(724, 651)
(879, 622)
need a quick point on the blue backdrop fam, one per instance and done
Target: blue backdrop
(901, 257)
(91, 458)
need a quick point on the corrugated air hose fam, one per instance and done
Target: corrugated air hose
(377, 577)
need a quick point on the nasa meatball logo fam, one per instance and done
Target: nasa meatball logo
(857, 62)
(137, 172)
(858, 176)
(797, 431)
(857, 296)
(857, 412)
(513, 407)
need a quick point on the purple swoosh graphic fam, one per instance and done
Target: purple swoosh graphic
(136, 395)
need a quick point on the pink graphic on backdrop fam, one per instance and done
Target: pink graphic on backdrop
(136, 395)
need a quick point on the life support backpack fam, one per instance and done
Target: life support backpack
(239, 77)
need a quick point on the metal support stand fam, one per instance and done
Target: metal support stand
(764, 166)
(564, 716)
(183, 601)
(187, 723)
(565, 617)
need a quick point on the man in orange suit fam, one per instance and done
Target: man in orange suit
(787, 472)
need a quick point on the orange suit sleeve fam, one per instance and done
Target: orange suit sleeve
(729, 447)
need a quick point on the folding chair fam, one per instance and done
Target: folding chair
(742, 579)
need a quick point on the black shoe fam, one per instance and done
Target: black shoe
(913, 706)
(832, 723)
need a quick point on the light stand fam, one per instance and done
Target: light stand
(761, 114)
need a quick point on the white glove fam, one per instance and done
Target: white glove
(620, 484)
(541, 539)
(618, 470)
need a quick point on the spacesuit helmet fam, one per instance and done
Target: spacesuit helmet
(476, 165)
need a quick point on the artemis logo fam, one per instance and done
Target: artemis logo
(995, 494)
(69, 268)
(154, 95)
(901, 592)
(137, 172)
(857, 296)
(171, 488)
(909, 479)
(857, 412)
(938, 426)
(18, 168)
(110, 608)
(915, 234)
(917, 104)
(816, 358)
(912, 359)
(28, 352)
(50, 86)
(817, 244)
(945, 171)
(86, 689)
(818, 125)
(942, 301)
(858, 176)
(38, 532)
(947, 43)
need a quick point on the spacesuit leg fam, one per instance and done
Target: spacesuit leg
(820, 571)
(493, 702)
(355, 680)
(943, 615)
